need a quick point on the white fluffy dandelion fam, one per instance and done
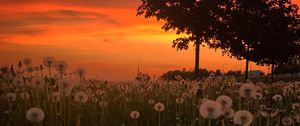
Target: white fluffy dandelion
(159, 107)
(65, 87)
(225, 101)
(277, 98)
(11, 97)
(210, 109)
(296, 106)
(247, 90)
(81, 97)
(267, 114)
(55, 97)
(27, 61)
(258, 96)
(179, 100)
(24, 95)
(243, 118)
(29, 68)
(95, 99)
(37, 82)
(19, 82)
(135, 114)
(61, 67)
(35, 115)
(80, 72)
(100, 92)
(151, 101)
(287, 121)
(103, 104)
(297, 118)
(49, 62)
(228, 113)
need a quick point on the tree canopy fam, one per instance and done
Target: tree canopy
(262, 31)
(194, 18)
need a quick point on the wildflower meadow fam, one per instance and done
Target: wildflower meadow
(48, 96)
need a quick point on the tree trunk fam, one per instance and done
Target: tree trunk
(247, 70)
(197, 51)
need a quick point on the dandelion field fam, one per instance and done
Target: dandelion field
(30, 98)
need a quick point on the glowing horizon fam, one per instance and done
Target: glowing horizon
(105, 37)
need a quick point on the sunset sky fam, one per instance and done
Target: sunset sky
(104, 36)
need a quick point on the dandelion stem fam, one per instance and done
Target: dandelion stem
(240, 102)
(49, 71)
(158, 118)
(223, 122)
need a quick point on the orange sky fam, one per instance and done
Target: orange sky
(103, 36)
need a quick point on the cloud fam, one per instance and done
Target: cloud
(24, 31)
(82, 3)
(25, 22)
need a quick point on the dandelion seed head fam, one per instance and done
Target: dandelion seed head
(95, 99)
(29, 68)
(243, 117)
(258, 95)
(61, 67)
(247, 90)
(55, 97)
(268, 113)
(297, 118)
(81, 97)
(159, 107)
(287, 121)
(103, 104)
(37, 82)
(225, 101)
(27, 61)
(80, 71)
(65, 86)
(135, 114)
(35, 115)
(11, 97)
(296, 106)
(49, 62)
(19, 82)
(151, 101)
(210, 109)
(277, 98)
(228, 113)
(24, 95)
(179, 100)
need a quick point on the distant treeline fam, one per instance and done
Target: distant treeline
(203, 73)
(238, 74)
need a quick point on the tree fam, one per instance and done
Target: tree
(251, 27)
(234, 73)
(244, 29)
(195, 18)
(287, 69)
(218, 72)
(186, 75)
(281, 32)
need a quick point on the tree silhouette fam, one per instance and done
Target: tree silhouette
(186, 75)
(282, 33)
(262, 31)
(195, 18)
(266, 32)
